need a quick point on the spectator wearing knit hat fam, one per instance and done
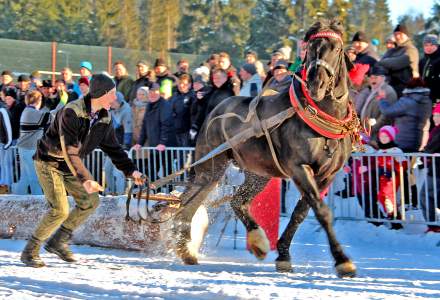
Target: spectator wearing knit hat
(402, 63)
(429, 66)
(251, 81)
(365, 54)
(84, 84)
(86, 69)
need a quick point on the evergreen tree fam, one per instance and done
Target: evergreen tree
(268, 14)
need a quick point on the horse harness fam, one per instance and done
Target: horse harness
(310, 113)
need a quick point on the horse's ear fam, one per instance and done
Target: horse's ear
(348, 62)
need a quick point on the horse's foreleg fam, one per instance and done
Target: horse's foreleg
(300, 212)
(257, 240)
(306, 183)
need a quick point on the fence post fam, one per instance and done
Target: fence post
(109, 59)
(54, 61)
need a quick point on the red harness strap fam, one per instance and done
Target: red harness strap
(311, 112)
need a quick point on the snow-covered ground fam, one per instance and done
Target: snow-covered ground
(391, 265)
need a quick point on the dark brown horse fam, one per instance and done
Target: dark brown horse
(310, 159)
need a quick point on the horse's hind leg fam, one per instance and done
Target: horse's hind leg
(305, 181)
(205, 181)
(257, 240)
(300, 212)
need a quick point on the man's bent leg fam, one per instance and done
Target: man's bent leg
(51, 181)
(85, 206)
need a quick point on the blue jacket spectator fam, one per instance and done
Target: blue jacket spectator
(411, 113)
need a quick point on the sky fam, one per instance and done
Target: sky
(401, 7)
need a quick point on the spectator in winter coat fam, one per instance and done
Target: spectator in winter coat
(402, 62)
(157, 131)
(71, 85)
(145, 78)
(367, 102)
(33, 121)
(358, 73)
(225, 64)
(365, 54)
(15, 109)
(432, 183)
(36, 81)
(281, 75)
(138, 107)
(164, 78)
(276, 56)
(222, 89)
(23, 86)
(124, 83)
(251, 81)
(63, 95)
(202, 91)
(50, 96)
(411, 114)
(158, 126)
(252, 58)
(181, 103)
(429, 66)
(213, 61)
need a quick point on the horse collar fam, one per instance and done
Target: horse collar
(318, 120)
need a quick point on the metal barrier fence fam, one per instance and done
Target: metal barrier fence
(388, 188)
(391, 188)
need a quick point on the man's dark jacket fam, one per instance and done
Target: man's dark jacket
(70, 138)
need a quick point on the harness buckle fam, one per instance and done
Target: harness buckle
(313, 111)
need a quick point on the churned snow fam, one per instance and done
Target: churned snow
(391, 265)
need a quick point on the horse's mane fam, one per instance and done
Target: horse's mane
(333, 25)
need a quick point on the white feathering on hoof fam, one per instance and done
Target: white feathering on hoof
(258, 243)
(347, 269)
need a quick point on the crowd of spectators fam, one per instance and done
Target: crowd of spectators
(158, 108)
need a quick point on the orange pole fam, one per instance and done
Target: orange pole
(54, 61)
(109, 59)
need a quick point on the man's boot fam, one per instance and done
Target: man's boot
(31, 254)
(59, 244)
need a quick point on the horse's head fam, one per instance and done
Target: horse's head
(324, 58)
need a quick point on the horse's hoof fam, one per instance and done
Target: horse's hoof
(346, 270)
(258, 243)
(190, 260)
(283, 266)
